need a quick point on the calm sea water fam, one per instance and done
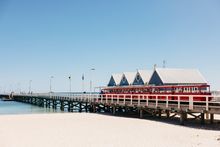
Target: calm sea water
(12, 107)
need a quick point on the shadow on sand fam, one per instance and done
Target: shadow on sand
(190, 123)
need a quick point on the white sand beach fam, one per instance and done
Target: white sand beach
(95, 130)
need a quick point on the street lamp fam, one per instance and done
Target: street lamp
(30, 82)
(92, 69)
(70, 84)
(83, 84)
(51, 77)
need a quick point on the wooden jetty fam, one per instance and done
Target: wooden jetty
(140, 104)
(7, 97)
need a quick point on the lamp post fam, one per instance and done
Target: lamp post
(92, 69)
(70, 84)
(51, 77)
(30, 82)
(83, 84)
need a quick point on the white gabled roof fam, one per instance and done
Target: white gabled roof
(181, 76)
(130, 76)
(145, 75)
(117, 78)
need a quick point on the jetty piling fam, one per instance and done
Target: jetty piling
(94, 103)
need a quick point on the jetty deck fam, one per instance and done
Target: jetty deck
(140, 104)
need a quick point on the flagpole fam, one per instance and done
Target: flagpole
(91, 82)
(83, 84)
(30, 82)
(70, 86)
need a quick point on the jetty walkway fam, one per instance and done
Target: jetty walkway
(140, 104)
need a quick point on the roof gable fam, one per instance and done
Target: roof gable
(145, 75)
(180, 76)
(130, 76)
(138, 80)
(155, 79)
(124, 81)
(115, 80)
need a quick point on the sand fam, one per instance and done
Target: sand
(95, 130)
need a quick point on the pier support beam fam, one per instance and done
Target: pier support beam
(86, 107)
(183, 117)
(69, 106)
(113, 110)
(80, 107)
(62, 106)
(167, 113)
(159, 113)
(126, 109)
(207, 115)
(211, 118)
(107, 109)
(94, 108)
(50, 103)
(46, 104)
(54, 105)
(202, 118)
(119, 109)
(141, 113)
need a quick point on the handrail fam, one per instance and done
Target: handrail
(130, 99)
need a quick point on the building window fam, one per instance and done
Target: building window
(124, 80)
(138, 77)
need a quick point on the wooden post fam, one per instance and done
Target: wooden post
(62, 106)
(147, 102)
(207, 116)
(139, 101)
(117, 99)
(178, 102)
(182, 118)
(207, 103)
(94, 108)
(167, 102)
(50, 103)
(159, 113)
(114, 110)
(190, 102)
(69, 105)
(46, 103)
(154, 113)
(141, 113)
(54, 104)
(80, 107)
(126, 109)
(185, 115)
(167, 113)
(202, 118)
(86, 107)
(211, 118)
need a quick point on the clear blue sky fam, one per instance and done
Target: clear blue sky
(40, 38)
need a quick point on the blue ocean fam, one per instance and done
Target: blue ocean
(12, 107)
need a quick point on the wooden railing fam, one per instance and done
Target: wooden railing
(134, 99)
